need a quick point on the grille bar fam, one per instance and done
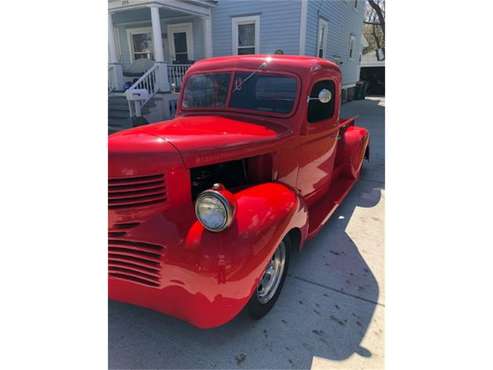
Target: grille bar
(146, 185)
(116, 234)
(135, 261)
(128, 225)
(128, 243)
(132, 259)
(153, 196)
(134, 180)
(132, 272)
(120, 230)
(133, 266)
(134, 279)
(126, 192)
(134, 252)
(140, 204)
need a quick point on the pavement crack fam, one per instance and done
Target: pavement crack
(335, 290)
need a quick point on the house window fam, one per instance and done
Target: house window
(180, 39)
(322, 43)
(140, 40)
(246, 35)
(351, 46)
(355, 4)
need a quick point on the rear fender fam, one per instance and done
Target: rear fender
(352, 150)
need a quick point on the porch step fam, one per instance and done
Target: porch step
(122, 100)
(119, 103)
(119, 114)
(122, 112)
(115, 125)
(116, 108)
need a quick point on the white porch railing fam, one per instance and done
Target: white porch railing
(176, 73)
(147, 86)
(142, 91)
(111, 85)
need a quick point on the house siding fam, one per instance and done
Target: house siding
(279, 24)
(343, 20)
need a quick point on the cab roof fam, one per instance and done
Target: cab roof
(293, 63)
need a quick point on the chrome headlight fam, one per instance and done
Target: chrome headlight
(213, 208)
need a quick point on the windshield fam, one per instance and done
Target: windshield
(206, 90)
(262, 92)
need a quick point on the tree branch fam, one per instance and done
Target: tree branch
(380, 16)
(375, 36)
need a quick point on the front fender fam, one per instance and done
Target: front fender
(207, 278)
(237, 256)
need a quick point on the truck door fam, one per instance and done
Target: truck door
(318, 145)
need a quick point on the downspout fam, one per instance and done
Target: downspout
(303, 23)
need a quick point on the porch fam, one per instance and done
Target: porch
(152, 44)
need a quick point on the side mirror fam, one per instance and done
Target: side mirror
(324, 96)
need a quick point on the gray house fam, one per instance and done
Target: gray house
(153, 42)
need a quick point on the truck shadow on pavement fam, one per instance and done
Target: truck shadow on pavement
(324, 310)
(348, 291)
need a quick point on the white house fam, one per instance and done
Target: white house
(153, 42)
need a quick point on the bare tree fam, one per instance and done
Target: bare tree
(375, 24)
(378, 7)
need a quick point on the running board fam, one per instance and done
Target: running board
(321, 211)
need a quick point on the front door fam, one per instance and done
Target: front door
(318, 145)
(180, 43)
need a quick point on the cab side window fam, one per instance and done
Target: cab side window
(318, 111)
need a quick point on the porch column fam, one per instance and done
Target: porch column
(157, 40)
(115, 68)
(206, 21)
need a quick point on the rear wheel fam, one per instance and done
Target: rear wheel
(271, 283)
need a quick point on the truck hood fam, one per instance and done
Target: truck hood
(203, 140)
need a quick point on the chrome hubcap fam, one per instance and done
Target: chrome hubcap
(272, 275)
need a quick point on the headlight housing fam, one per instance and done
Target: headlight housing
(215, 208)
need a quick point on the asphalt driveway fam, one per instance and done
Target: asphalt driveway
(330, 314)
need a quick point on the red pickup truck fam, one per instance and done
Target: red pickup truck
(206, 209)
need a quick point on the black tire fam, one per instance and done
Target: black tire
(255, 307)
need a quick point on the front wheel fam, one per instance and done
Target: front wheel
(271, 283)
